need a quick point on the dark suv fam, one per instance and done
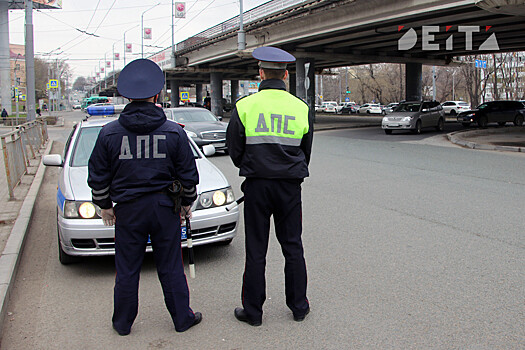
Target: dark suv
(499, 112)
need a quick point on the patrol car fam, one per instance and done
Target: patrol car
(80, 228)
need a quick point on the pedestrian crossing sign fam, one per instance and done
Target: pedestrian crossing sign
(53, 83)
(184, 96)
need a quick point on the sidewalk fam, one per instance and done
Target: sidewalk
(508, 138)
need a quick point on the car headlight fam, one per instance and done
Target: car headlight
(471, 115)
(215, 198)
(191, 134)
(406, 119)
(81, 210)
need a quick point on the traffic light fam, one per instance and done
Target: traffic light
(348, 90)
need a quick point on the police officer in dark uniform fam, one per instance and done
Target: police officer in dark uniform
(135, 159)
(269, 139)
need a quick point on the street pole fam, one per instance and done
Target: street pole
(105, 72)
(114, 63)
(142, 27)
(30, 62)
(241, 35)
(173, 60)
(433, 83)
(15, 92)
(125, 42)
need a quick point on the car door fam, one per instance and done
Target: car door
(425, 115)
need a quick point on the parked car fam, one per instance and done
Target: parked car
(455, 107)
(350, 108)
(80, 228)
(370, 108)
(339, 108)
(77, 106)
(201, 125)
(389, 108)
(328, 107)
(414, 116)
(499, 112)
(318, 108)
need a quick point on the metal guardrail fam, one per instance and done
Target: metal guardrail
(19, 146)
(233, 23)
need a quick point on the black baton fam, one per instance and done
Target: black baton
(189, 241)
(234, 204)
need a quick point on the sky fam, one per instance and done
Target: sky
(83, 32)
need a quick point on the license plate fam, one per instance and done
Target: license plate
(219, 145)
(183, 232)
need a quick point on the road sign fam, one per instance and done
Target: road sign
(481, 64)
(347, 99)
(184, 96)
(23, 97)
(53, 83)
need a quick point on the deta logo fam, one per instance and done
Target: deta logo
(409, 39)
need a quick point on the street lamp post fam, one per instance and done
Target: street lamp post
(142, 27)
(125, 42)
(16, 89)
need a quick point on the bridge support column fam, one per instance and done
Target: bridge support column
(175, 96)
(292, 82)
(216, 93)
(198, 93)
(305, 82)
(414, 81)
(234, 91)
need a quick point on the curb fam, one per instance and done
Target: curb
(469, 144)
(10, 258)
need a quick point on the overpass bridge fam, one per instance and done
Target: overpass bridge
(327, 34)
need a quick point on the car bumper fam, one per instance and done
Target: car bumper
(467, 120)
(219, 145)
(397, 125)
(89, 237)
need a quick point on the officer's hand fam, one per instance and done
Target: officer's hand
(185, 211)
(108, 217)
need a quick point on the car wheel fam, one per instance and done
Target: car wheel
(417, 130)
(482, 122)
(465, 124)
(388, 132)
(368, 112)
(502, 123)
(453, 113)
(518, 120)
(440, 125)
(64, 258)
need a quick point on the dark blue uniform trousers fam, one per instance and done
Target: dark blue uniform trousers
(282, 198)
(150, 215)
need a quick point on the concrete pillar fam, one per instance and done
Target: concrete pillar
(175, 96)
(292, 82)
(216, 93)
(414, 81)
(198, 94)
(305, 82)
(5, 69)
(234, 91)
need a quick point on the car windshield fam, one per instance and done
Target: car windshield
(197, 115)
(408, 107)
(86, 142)
(483, 105)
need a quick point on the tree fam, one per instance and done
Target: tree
(80, 83)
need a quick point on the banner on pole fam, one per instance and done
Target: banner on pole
(108, 64)
(128, 47)
(117, 56)
(180, 10)
(147, 33)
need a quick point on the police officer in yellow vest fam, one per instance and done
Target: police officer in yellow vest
(269, 139)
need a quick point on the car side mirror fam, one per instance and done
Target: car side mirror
(219, 118)
(208, 150)
(52, 160)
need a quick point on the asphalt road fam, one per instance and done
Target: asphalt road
(410, 242)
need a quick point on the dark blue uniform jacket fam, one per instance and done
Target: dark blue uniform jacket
(139, 153)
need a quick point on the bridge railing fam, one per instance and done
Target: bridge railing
(248, 17)
(19, 146)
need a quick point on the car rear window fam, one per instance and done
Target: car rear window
(197, 115)
(463, 104)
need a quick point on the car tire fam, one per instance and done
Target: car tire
(453, 113)
(465, 124)
(518, 120)
(417, 130)
(502, 123)
(482, 122)
(368, 112)
(440, 125)
(64, 258)
(388, 132)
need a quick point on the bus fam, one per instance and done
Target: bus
(94, 99)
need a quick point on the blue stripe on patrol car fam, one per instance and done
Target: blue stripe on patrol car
(60, 199)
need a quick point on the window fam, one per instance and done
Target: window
(84, 146)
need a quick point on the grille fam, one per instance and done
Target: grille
(394, 119)
(214, 135)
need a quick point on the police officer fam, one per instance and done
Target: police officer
(135, 159)
(269, 139)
